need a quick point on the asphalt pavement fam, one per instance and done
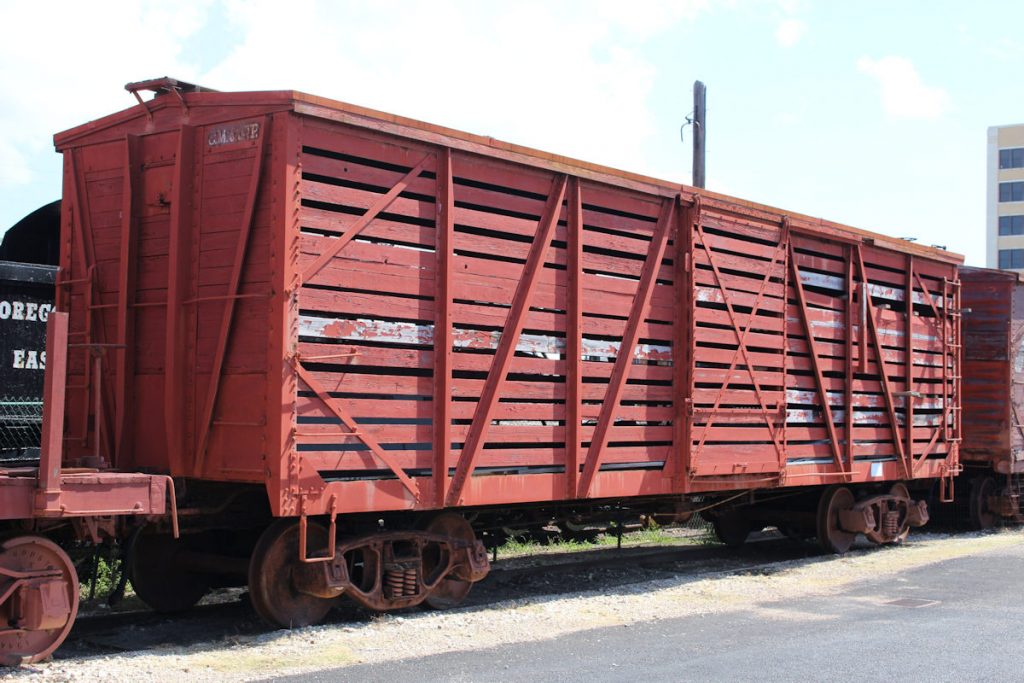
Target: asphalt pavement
(957, 620)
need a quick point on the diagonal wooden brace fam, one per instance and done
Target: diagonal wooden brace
(819, 377)
(624, 359)
(883, 370)
(918, 461)
(364, 220)
(511, 331)
(741, 342)
(234, 284)
(928, 295)
(353, 427)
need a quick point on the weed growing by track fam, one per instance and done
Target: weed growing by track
(518, 547)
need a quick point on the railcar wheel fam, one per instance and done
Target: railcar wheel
(731, 528)
(982, 516)
(831, 537)
(900, 489)
(451, 591)
(271, 591)
(157, 576)
(40, 613)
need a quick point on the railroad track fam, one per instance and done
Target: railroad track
(98, 633)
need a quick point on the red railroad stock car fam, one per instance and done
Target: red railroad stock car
(993, 446)
(357, 342)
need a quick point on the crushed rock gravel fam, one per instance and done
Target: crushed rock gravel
(765, 589)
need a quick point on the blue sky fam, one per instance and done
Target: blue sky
(869, 113)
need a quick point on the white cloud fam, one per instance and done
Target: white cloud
(88, 46)
(65, 63)
(644, 19)
(565, 77)
(87, 56)
(789, 32)
(569, 77)
(1004, 49)
(788, 118)
(904, 94)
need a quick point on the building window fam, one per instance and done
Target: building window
(1011, 192)
(1011, 158)
(1011, 225)
(1011, 258)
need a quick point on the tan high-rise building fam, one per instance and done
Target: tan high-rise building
(1005, 198)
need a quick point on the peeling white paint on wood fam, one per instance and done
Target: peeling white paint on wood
(381, 331)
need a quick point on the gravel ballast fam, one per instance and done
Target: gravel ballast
(765, 589)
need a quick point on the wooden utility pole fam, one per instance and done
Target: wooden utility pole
(699, 103)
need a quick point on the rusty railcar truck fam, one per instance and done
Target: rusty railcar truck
(358, 342)
(993, 446)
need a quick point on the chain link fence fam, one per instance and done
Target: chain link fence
(21, 422)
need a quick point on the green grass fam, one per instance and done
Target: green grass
(515, 547)
(107, 575)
